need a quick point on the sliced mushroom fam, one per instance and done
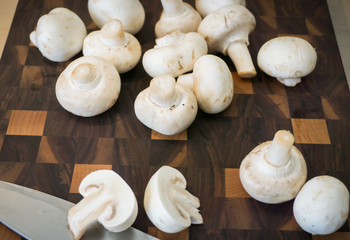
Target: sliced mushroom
(204, 7)
(114, 45)
(168, 204)
(131, 13)
(211, 82)
(165, 106)
(88, 86)
(174, 53)
(108, 199)
(322, 205)
(177, 15)
(59, 35)
(274, 171)
(288, 59)
(226, 30)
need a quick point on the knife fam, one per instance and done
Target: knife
(39, 216)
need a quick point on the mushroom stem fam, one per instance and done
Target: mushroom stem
(172, 7)
(278, 154)
(86, 212)
(239, 54)
(162, 91)
(289, 82)
(85, 76)
(112, 34)
(186, 80)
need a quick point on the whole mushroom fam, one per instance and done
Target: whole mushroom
(165, 106)
(288, 59)
(130, 12)
(59, 35)
(226, 30)
(88, 86)
(107, 199)
(211, 83)
(114, 45)
(174, 53)
(204, 7)
(274, 171)
(177, 15)
(322, 205)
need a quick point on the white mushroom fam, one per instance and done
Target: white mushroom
(130, 12)
(204, 7)
(211, 83)
(177, 15)
(114, 45)
(59, 35)
(322, 205)
(174, 53)
(165, 106)
(226, 30)
(288, 59)
(108, 199)
(168, 204)
(274, 171)
(88, 86)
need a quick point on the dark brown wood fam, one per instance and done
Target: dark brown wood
(58, 149)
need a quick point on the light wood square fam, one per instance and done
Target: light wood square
(8, 234)
(242, 86)
(155, 232)
(233, 185)
(158, 136)
(312, 131)
(28, 123)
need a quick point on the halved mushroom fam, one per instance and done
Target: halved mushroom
(322, 205)
(165, 106)
(59, 35)
(211, 83)
(204, 7)
(274, 171)
(88, 86)
(226, 30)
(114, 45)
(288, 59)
(174, 53)
(169, 206)
(177, 15)
(108, 199)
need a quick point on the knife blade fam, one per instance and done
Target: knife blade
(39, 216)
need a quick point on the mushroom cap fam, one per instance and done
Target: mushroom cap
(174, 53)
(204, 7)
(59, 35)
(88, 86)
(188, 21)
(227, 24)
(322, 205)
(131, 13)
(166, 117)
(287, 57)
(268, 183)
(124, 55)
(212, 84)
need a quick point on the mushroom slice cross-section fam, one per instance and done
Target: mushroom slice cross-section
(274, 171)
(108, 199)
(168, 204)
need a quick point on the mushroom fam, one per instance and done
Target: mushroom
(131, 13)
(108, 199)
(174, 53)
(88, 86)
(322, 205)
(211, 82)
(204, 7)
(165, 106)
(169, 206)
(274, 171)
(226, 30)
(177, 15)
(114, 45)
(288, 59)
(59, 35)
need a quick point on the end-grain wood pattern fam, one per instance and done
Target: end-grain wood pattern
(46, 148)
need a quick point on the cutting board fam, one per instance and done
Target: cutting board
(44, 147)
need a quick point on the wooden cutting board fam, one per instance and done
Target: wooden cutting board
(46, 148)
